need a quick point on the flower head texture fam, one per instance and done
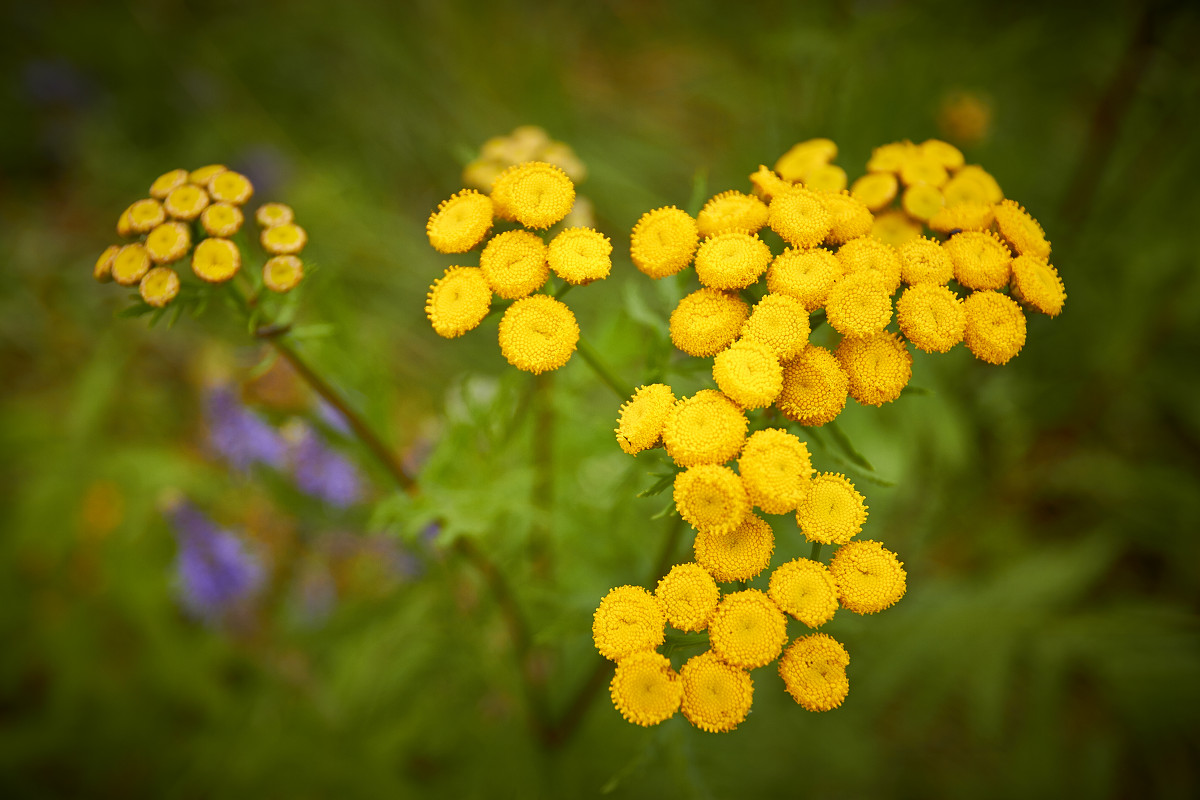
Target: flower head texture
(322, 472)
(538, 334)
(767, 183)
(230, 187)
(815, 387)
(642, 417)
(878, 366)
(283, 273)
(923, 260)
(731, 260)
(731, 211)
(130, 264)
(868, 576)
(664, 241)
(775, 467)
(995, 330)
(931, 317)
(514, 263)
(711, 498)
(706, 428)
(460, 222)
(458, 301)
(922, 201)
(876, 190)
(216, 574)
(166, 182)
(168, 242)
(221, 219)
(942, 153)
(628, 620)
(1022, 232)
(159, 286)
(145, 215)
(921, 167)
(707, 321)
(269, 215)
(800, 159)
(799, 217)
(238, 436)
(826, 178)
(814, 672)
(535, 194)
(972, 184)
(805, 590)
(849, 217)
(895, 227)
(186, 202)
(859, 304)
(202, 176)
(216, 260)
(981, 261)
(716, 696)
(286, 239)
(970, 216)
(832, 511)
(748, 629)
(645, 689)
(780, 322)
(737, 554)
(1037, 284)
(103, 269)
(689, 596)
(580, 255)
(890, 157)
(867, 254)
(749, 373)
(804, 275)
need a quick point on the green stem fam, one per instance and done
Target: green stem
(605, 374)
(543, 461)
(815, 553)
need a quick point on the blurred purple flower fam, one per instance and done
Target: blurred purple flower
(215, 572)
(321, 471)
(239, 436)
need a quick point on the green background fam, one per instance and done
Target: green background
(1046, 511)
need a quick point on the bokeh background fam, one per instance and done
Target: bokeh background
(1047, 511)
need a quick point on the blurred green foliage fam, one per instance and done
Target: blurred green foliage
(1046, 511)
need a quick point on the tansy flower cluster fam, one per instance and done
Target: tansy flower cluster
(198, 213)
(538, 332)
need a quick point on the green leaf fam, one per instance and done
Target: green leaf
(847, 447)
(135, 311)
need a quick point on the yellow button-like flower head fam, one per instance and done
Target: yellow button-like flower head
(186, 202)
(799, 217)
(879, 366)
(931, 317)
(815, 387)
(749, 373)
(995, 329)
(859, 304)
(130, 264)
(748, 629)
(833, 511)
(689, 596)
(1020, 230)
(963, 217)
(922, 201)
(538, 334)
(780, 322)
(869, 254)
(706, 428)
(707, 321)
(923, 168)
(923, 260)
(514, 263)
(767, 184)
(221, 219)
(711, 499)
(640, 424)
(943, 153)
(159, 286)
(895, 227)
(876, 190)
(796, 163)
(716, 696)
(628, 620)
(980, 259)
(145, 215)
(535, 194)
(460, 222)
(891, 157)
(732, 260)
(286, 239)
(731, 211)
(663, 241)
(458, 301)
(202, 176)
(269, 215)
(645, 689)
(164, 183)
(580, 255)
(804, 589)
(972, 184)
(814, 671)
(826, 178)
(283, 273)
(1037, 284)
(849, 217)
(806, 275)
(869, 577)
(738, 554)
(776, 468)
(216, 260)
(103, 269)
(230, 187)
(169, 242)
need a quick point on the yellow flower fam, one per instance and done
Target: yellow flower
(1038, 285)
(458, 301)
(922, 200)
(281, 240)
(869, 254)
(767, 184)
(732, 260)
(645, 689)
(797, 162)
(806, 275)
(689, 595)
(580, 255)
(204, 175)
(980, 259)
(895, 228)
(964, 217)
(749, 373)
(814, 672)
(145, 215)
(923, 260)
(271, 214)
(159, 286)
(164, 183)
(186, 202)
(514, 263)
(876, 190)
(922, 168)
(1020, 230)
(125, 224)
(711, 499)
(776, 468)
(169, 242)
(535, 194)
(706, 428)
(221, 219)
(628, 620)
(663, 241)
(799, 217)
(282, 273)
(707, 321)
(460, 222)
(931, 317)
(890, 157)
(216, 260)
(859, 304)
(826, 178)
(995, 327)
(642, 417)
(748, 629)
(716, 696)
(130, 264)
(814, 387)
(805, 590)
(869, 577)
(538, 334)
(738, 554)
(972, 184)
(849, 217)
(833, 511)
(731, 211)
(780, 322)
(230, 187)
(942, 153)
(103, 269)
(879, 366)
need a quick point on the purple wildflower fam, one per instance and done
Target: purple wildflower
(321, 471)
(239, 436)
(216, 573)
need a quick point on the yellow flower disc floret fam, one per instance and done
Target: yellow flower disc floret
(169, 242)
(922, 201)
(849, 217)
(804, 589)
(775, 467)
(806, 275)
(628, 620)
(869, 577)
(798, 161)
(642, 417)
(879, 366)
(706, 428)
(815, 387)
(731, 211)
(102, 271)
(221, 219)
(458, 301)
(738, 554)
(1038, 285)
(711, 499)
(942, 153)
(869, 254)
(931, 317)
(799, 217)
(732, 260)
(460, 222)
(689, 595)
(890, 157)
(130, 264)
(1020, 230)
(663, 241)
(269, 215)
(514, 263)
(876, 190)
(645, 689)
(145, 215)
(767, 184)
(707, 321)
(535, 194)
(980, 259)
(894, 227)
(813, 669)
(186, 202)
(922, 168)
(166, 182)
(538, 334)
(972, 184)
(230, 187)
(833, 511)
(159, 286)
(580, 255)
(995, 329)
(923, 260)
(283, 240)
(963, 217)
(202, 176)
(283, 273)
(216, 260)
(780, 322)
(826, 178)
(716, 696)
(859, 304)
(748, 629)
(749, 373)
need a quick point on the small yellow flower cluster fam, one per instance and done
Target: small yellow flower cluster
(538, 332)
(202, 206)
